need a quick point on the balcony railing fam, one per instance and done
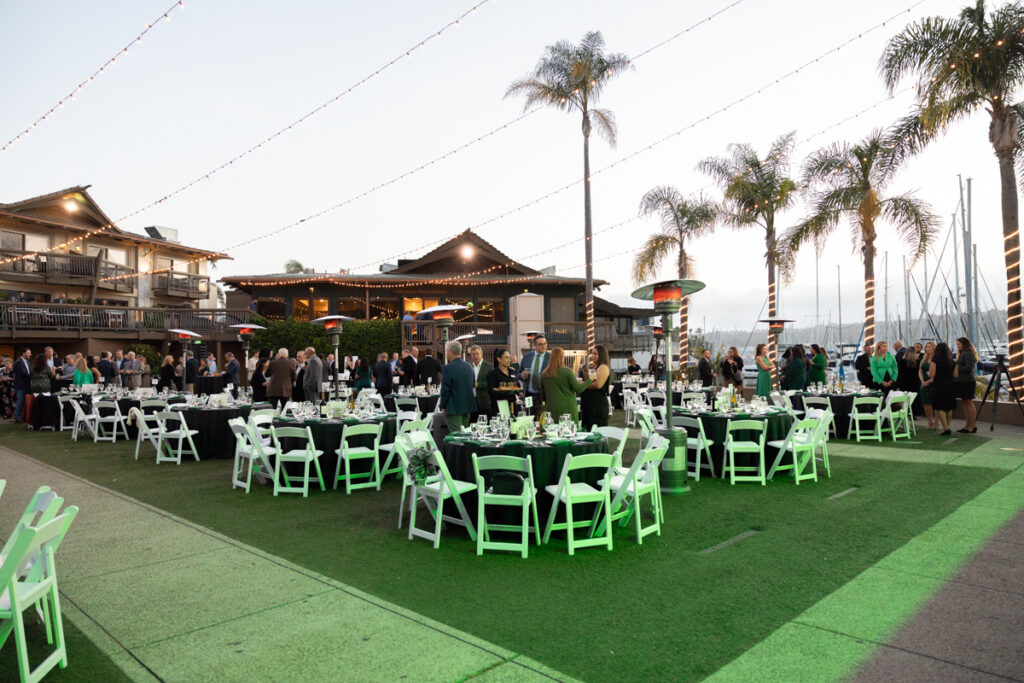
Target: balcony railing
(181, 284)
(67, 269)
(568, 335)
(18, 318)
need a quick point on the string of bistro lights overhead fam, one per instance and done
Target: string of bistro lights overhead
(166, 16)
(407, 53)
(660, 141)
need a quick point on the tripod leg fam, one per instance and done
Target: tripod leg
(995, 397)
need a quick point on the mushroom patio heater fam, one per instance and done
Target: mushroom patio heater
(443, 318)
(184, 337)
(668, 299)
(246, 333)
(775, 327)
(658, 332)
(332, 323)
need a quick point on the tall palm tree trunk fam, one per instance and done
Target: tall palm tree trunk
(868, 252)
(1011, 256)
(773, 334)
(588, 246)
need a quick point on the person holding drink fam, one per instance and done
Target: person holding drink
(594, 400)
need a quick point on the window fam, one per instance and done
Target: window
(490, 310)
(352, 306)
(320, 308)
(14, 241)
(36, 243)
(624, 326)
(563, 310)
(112, 254)
(272, 308)
(413, 305)
(300, 309)
(466, 315)
(383, 309)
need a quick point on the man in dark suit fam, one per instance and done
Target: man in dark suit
(409, 366)
(22, 383)
(428, 368)
(899, 349)
(281, 372)
(458, 398)
(106, 369)
(312, 381)
(382, 375)
(481, 370)
(531, 367)
(704, 369)
(231, 370)
(191, 371)
(863, 367)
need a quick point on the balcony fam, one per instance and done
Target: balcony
(21, 320)
(566, 335)
(184, 285)
(65, 269)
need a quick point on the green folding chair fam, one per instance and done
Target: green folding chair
(569, 493)
(866, 410)
(347, 453)
(641, 480)
(525, 498)
(305, 454)
(800, 444)
(734, 445)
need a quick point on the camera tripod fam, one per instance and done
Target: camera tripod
(994, 383)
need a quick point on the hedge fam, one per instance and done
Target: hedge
(363, 338)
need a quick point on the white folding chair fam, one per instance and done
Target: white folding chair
(434, 492)
(148, 428)
(642, 479)
(734, 445)
(570, 493)
(800, 445)
(173, 427)
(866, 409)
(261, 422)
(250, 453)
(697, 442)
(63, 401)
(501, 467)
(825, 418)
(630, 403)
(114, 419)
(83, 420)
(911, 421)
(896, 416)
(819, 403)
(403, 444)
(307, 453)
(389, 448)
(347, 453)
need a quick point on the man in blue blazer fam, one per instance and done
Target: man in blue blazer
(23, 383)
(531, 367)
(458, 394)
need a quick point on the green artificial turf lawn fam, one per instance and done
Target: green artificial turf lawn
(658, 610)
(929, 440)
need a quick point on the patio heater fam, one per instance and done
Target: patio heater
(332, 323)
(246, 333)
(465, 342)
(668, 300)
(775, 327)
(658, 332)
(185, 337)
(443, 318)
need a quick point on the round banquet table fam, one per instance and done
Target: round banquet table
(46, 410)
(215, 438)
(427, 403)
(548, 458)
(841, 404)
(715, 427)
(327, 438)
(210, 384)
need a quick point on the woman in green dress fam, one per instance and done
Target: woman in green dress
(795, 374)
(764, 372)
(923, 372)
(559, 387)
(83, 375)
(363, 378)
(819, 366)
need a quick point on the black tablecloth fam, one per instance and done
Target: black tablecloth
(548, 460)
(215, 438)
(327, 437)
(716, 426)
(427, 403)
(841, 405)
(210, 384)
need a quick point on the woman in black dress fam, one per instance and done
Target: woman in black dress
(502, 376)
(942, 372)
(966, 367)
(298, 393)
(594, 399)
(908, 378)
(166, 380)
(258, 381)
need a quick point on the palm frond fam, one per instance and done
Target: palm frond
(648, 260)
(914, 220)
(603, 122)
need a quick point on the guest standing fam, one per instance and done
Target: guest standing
(481, 370)
(704, 369)
(362, 375)
(82, 375)
(107, 370)
(559, 387)
(7, 396)
(795, 373)
(764, 371)
(458, 398)
(428, 369)
(863, 367)
(298, 393)
(191, 371)
(412, 357)
(501, 376)
(924, 375)
(819, 365)
(943, 372)
(884, 371)
(231, 372)
(166, 379)
(730, 368)
(966, 367)
(282, 378)
(22, 383)
(258, 381)
(533, 366)
(594, 400)
(42, 376)
(313, 385)
(382, 375)
(909, 380)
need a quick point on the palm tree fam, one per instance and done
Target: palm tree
(846, 181)
(292, 266)
(571, 77)
(755, 191)
(964, 64)
(680, 219)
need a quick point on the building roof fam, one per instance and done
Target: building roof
(88, 217)
(605, 307)
(442, 266)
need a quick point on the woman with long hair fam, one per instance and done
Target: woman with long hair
(764, 371)
(363, 377)
(594, 401)
(258, 381)
(501, 380)
(924, 374)
(795, 374)
(82, 374)
(966, 367)
(884, 371)
(90, 363)
(819, 365)
(559, 386)
(41, 380)
(943, 372)
(909, 380)
(166, 380)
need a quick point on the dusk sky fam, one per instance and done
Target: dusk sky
(222, 76)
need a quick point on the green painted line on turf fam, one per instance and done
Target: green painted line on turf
(839, 633)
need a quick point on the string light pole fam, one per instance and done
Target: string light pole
(332, 323)
(668, 300)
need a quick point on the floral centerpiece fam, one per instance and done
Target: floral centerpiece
(420, 465)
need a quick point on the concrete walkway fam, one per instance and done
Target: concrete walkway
(169, 600)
